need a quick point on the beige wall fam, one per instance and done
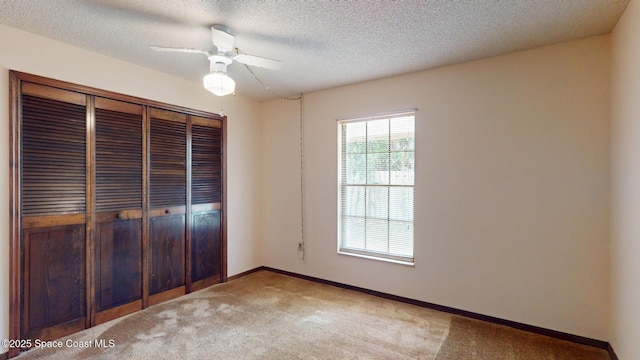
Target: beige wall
(512, 186)
(33, 54)
(625, 184)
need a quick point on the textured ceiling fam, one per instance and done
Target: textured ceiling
(321, 44)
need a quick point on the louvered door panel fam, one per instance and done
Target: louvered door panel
(206, 200)
(53, 157)
(167, 204)
(206, 164)
(119, 203)
(168, 151)
(54, 203)
(118, 159)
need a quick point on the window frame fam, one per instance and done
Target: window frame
(362, 252)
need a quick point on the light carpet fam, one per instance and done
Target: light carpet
(266, 315)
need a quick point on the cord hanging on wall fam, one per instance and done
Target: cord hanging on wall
(301, 247)
(301, 256)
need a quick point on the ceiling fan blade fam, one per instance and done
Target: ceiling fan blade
(258, 61)
(222, 38)
(182, 50)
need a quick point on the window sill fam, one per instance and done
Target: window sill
(371, 257)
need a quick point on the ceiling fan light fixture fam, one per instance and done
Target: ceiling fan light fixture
(219, 83)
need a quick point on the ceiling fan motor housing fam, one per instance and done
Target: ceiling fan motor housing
(219, 62)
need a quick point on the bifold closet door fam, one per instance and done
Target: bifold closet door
(167, 204)
(118, 208)
(53, 209)
(116, 204)
(206, 202)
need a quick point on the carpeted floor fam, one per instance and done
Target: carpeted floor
(271, 316)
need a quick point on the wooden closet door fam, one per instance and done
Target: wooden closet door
(116, 203)
(206, 202)
(167, 204)
(53, 209)
(118, 207)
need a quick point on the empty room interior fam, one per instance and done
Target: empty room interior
(509, 198)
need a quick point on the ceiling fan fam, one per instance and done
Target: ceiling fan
(217, 81)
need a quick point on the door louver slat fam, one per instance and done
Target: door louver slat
(206, 165)
(118, 160)
(53, 157)
(168, 149)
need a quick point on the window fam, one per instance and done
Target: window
(376, 179)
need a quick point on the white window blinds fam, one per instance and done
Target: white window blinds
(376, 179)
